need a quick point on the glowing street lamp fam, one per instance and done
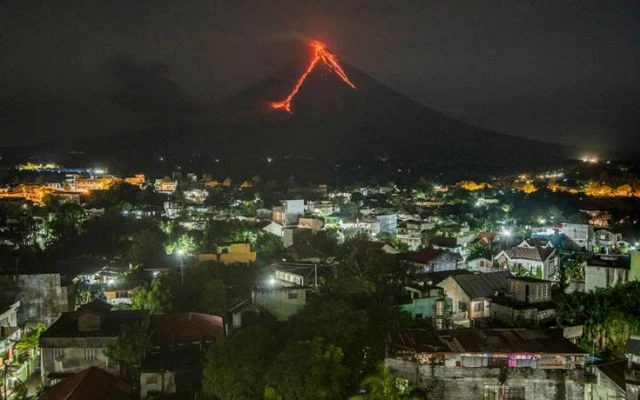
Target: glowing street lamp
(180, 253)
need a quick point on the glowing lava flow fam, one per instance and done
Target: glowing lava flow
(320, 53)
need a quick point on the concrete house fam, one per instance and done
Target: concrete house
(489, 363)
(533, 257)
(78, 339)
(526, 303)
(606, 270)
(179, 341)
(607, 239)
(428, 302)
(434, 260)
(632, 373)
(472, 294)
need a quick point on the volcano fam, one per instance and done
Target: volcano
(329, 119)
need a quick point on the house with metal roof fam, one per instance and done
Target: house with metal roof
(472, 294)
(532, 257)
(489, 363)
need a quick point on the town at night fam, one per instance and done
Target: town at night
(296, 200)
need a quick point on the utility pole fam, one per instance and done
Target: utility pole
(315, 271)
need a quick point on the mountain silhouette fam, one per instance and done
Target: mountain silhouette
(328, 119)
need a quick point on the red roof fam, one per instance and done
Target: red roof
(91, 384)
(187, 327)
(426, 255)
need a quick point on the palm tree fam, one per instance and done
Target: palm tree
(384, 386)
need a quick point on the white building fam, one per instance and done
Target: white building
(581, 234)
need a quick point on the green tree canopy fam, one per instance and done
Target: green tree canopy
(308, 370)
(235, 366)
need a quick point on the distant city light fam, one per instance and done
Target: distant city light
(269, 159)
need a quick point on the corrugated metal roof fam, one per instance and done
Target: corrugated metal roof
(482, 285)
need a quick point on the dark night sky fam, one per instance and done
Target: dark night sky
(562, 71)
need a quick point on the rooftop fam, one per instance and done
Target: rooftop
(524, 253)
(609, 261)
(187, 327)
(90, 384)
(483, 285)
(483, 341)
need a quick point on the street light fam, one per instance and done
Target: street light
(180, 253)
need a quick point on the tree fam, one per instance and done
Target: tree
(310, 369)
(215, 297)
(268, 245)
(185, 244)
(129, 349)
(384, 386)
(339, 324)
(147, 245)
(156, 297)
(235, 366)
(326, 242)
(555, 214)
(86, 292)
(30, 341)
(424, 188)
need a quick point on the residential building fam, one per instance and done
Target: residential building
(606, 239)
(428, 302)
(364, 245)
(434, 260)
(289, 212)
(388, 224)
(235, 253)
(9, 334)
(297, 274)
(173, 209)
(532, 257)
(42, 297)
(165, 185)
(274, 228)
(480, 264)
(136, 180)
(606, 270)
(447, 243)
(609, 381)
(89, 384)
(281, 302)
(472, 294)
(580, 234)
(310, 223)
(165, 371)
(526, 303)
(489, 363)
(78, 340)
(119, 291)
(632, 373)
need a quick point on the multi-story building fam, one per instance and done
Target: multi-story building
(428, 302)
(489, 364)
(580, 234)
(632, 373)
(78, 340)
(534, 257)
(472, 294)
(42, 297)
(526, 303)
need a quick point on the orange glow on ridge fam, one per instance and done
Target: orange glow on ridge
(320, 53)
